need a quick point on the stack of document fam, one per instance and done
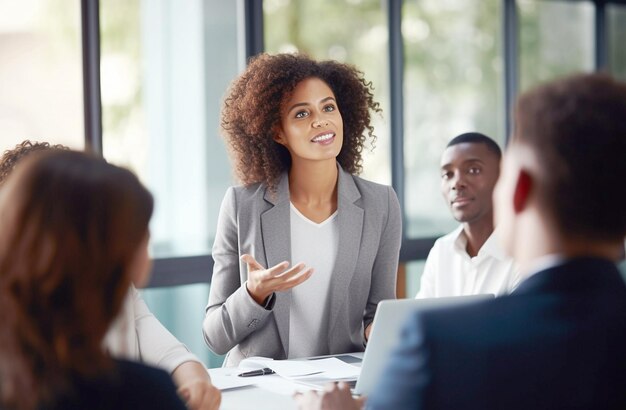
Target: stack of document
(291, 375)
(330, 368)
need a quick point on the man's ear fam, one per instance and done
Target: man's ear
(523, 186)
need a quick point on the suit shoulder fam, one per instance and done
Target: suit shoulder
(248, 191)
(242, 197)
(128, 385)
(373, 191)
(147, 385)
(369, 186)
(140, 373)
(460, 318)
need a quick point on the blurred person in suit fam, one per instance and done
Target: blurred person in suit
(558, 340)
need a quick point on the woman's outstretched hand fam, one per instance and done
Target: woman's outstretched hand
(263, 282)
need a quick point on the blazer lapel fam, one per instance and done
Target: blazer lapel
(276, 233)
(350, 223)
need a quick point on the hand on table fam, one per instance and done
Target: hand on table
(336, 396)
(263, 282)
(200, 394)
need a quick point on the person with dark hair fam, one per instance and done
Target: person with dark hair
(557, 342)
(12, 157)
(296, 129)
(74, 235)
(136, 334)
(469, 260)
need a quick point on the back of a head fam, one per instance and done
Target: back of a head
(10, 158)
(576, 129)
(71, 224)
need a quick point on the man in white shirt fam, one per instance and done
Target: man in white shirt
(468, 260)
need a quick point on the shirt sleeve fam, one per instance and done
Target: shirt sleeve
(231, 313)
(157, 346)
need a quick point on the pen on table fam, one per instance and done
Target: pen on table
(259, 372)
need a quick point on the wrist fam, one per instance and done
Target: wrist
(258, 296)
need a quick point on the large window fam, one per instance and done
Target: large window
(41, 86)
(453, 83)
(556, 38)
(164, 67)
(616, 20)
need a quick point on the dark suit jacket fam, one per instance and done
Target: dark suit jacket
(129, 386)
(559, 341)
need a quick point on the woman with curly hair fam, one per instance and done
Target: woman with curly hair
(74, 235)
(304, 249)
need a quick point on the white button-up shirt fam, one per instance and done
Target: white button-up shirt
(450, 271)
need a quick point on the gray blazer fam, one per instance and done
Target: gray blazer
(254, 221)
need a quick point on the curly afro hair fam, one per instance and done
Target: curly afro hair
(10, 158)
(252, 107)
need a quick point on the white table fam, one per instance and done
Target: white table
(254, 397)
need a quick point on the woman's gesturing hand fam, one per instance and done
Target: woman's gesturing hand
(263, 282)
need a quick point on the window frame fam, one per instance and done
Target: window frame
(178, 271)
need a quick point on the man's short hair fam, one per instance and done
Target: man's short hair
(476, 138)
(576, 127)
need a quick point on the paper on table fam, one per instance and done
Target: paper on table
(334, 368)
(226, 378)
(254, 363)
(280, 385)
(291, 375)
(330, 368)
(285, 368)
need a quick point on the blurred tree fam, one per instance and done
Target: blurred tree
(120, 49)
(617, 33)
(556, 39)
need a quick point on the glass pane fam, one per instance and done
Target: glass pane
(616, 19)
(165, 66)
(414, 270)
(320, 29)
(556, 38)
(162, 84)
(453, 84)
(41, 82)
(181, 310)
